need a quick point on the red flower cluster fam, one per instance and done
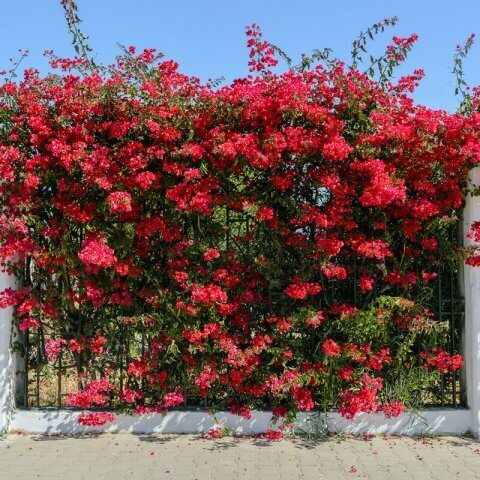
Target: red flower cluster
(119, 202)
(330, 348)
(441, 361)
(95, 393)
(365, 399)
(300, 290)
(95, 419)
(97, 253)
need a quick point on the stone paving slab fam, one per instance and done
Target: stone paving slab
(190, 457)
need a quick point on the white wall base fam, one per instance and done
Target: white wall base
(443, 421)
(7, 372)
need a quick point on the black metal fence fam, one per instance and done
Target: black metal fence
(43, 384)
(450, 310)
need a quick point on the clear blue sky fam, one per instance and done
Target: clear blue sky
(207, 36)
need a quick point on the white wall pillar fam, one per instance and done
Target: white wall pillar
(7, 374)
(471, 338)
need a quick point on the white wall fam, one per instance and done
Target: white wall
(429, 421)
(471, 337)
(7, 375)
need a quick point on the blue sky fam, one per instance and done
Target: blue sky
(207, 36)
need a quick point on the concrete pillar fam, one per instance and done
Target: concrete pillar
(7, 374)
(471, 337)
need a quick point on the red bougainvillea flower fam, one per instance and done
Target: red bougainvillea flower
(330, 348)
(211, 254)
(300, 290)
(54, 347)
(119, 202)
(95, 419)
(365, 399)
(173, 399)
(209, 294)
(273, 435)
(392, 409)
(216, 432)
(303, 398)
(442, 361)
(98, 254)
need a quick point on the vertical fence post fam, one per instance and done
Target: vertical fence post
(471, 336)
(7, 373)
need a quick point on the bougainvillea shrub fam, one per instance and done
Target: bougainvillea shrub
(269, 244)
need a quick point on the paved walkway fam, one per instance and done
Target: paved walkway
(189, 457)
